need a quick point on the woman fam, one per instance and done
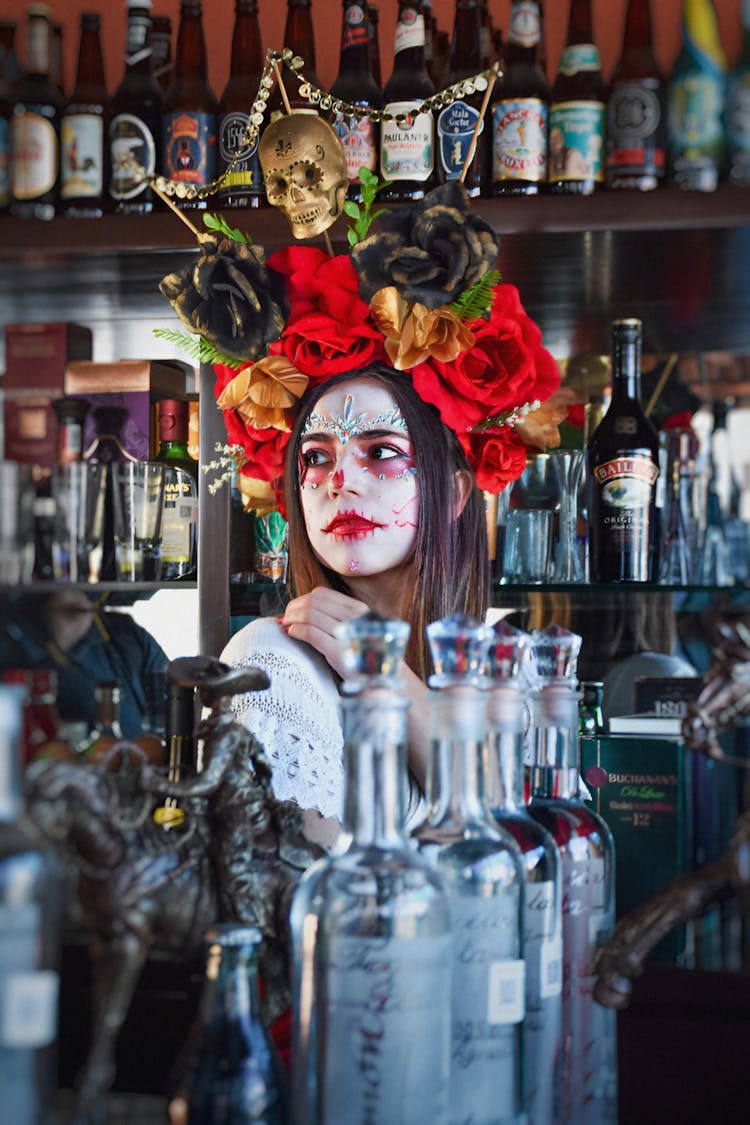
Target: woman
(384, 514)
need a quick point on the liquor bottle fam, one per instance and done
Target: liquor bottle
(737, 110)
(636, 109)
(83, 129)
(520, 111)
(135, 128)
(577, 111)
(370, 924)
(373, 20)
(355, 84)
(35, 126)
(589, 1067)
(623, 466)
(162, 66)
(482, 868)
(107, 729)
(590, 716)
(407, 158)
(179, 525)
(232, 1072)
(299, 37)
(238, 162)
(695, 96)
(71, 415)
(190, 107)
(456, 122)
(542, 1058)
(30, 937)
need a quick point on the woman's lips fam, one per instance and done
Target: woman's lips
(350, 524)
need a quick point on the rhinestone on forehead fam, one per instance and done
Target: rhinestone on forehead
(351, 425)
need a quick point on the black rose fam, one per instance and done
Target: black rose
(226, 296)
(431, 251)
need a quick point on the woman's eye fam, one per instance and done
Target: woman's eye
(385, 452)
(313, 457)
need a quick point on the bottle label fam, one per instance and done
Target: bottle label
(4, 162)
(383, 996)
(34, 160)
(409, 30)
(519, 140)
(543, 1023)
(406, 150)
(137, 46)
(634, 118)
(579, 57)
(543, 946)
(246, 171)
(190, 147)
(82, 146)
(355, 32)
(133, 156)
(357, 135)
(696, 101)
(576, 141)
(455, 128)
(525, 28)
(180, 512)
(28, 996)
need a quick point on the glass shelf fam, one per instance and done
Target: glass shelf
(120, 593)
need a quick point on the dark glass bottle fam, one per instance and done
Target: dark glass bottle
(636, 109)
(373, 17)
(162, 66)
(486, 32)
(190, 107)
(737, 113)
(356, 85)
(455, 123)
(71, 415)
(243, 186)
(577, 111)
(83, 130)
(135, 128)
(10, 68)
(299, 37)
(407, 157)
(623, 464)
(57, 70)
(35, 126)
(179, 525)
(10, 72)
(520, 111)
(695, 95)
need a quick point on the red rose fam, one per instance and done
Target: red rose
(506, 367)
(497, 458)
(320, 345)
(264, 449)
(316, 282)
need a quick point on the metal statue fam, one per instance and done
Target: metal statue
(305, 172)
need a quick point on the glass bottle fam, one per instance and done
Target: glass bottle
(10, 68)
(636, 109)
(678, 541)
(233, 1073)
(242, 185)
(737, 110)
(190, 107)
(370, 924)
(520, 111)
(57, 55)
(695, 98)
(541, 863)
(455, 123)
(590, 715)
(179, 526)
(35, 126)
(162, 66)
(179, 743)
(10, 72)
(486, 48)
(482, 868)
(30, 938)
(84, 126)
(107, 729)
(407, 156)
(589, 1056)
(135, 128)
(373, 16)
(43, 728)
(623, 466)
(71, 415)
(299, 37)
(577, 111)
(355, 84)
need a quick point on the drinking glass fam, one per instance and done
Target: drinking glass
(568, 467)
(138, 500)
(528, 545)
(16, 523)
(78, 494)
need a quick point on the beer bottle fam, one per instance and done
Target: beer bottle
(135, 129)
(84, 128)
(407, 146)
(356, 85)
(299, 37)
(56, 57)
(455, 123)
(162, 66)
(10, 72)
(695, 98)
(243, 184)
(373, 23)
(190, 107)
(486, 32)
(577, 111)
(10, 68)
(35, 125)
(520, 112)
(737, 116)
(636, 110)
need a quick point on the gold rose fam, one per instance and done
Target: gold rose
(263, 393)
(414, 333)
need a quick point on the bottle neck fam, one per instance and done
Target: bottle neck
(579, 23)
(138, 47)
(356, 46)
(232, 986)
(524, 33)
(375, 765)
(556, 742)
(638, 35)
(90, 72)
(39, 46)
(299, 34)
(505, 723)
(626, 364)
(247, 52)
(409, 46)
(457, 767)
(191, 60)
(466, 49)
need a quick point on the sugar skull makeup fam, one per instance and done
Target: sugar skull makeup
(358, 484)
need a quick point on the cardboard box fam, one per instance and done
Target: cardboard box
(36, 354)
(160, 378)
(30, 428)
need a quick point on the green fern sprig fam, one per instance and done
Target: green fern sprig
(214, 220)
(363, 213)
(477, 299)
(199, 350)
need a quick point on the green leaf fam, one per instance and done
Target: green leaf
(477, 299)
(214, 220)
(351, 208)
(199, 349)
(364, 217)
(352, 238)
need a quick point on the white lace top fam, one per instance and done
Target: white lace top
(297, 719)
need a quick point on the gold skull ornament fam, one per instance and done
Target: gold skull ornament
(305, 172)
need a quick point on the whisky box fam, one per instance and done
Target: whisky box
(36, 354)
(666, 695)
(30, 428)
(642, 787)
(161, 378)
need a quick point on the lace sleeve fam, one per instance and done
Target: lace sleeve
(297, 719)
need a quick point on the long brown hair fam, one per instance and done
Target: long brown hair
(451, 562)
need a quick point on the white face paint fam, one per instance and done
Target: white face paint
(358, 484)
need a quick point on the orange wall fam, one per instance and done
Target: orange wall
(218, 21)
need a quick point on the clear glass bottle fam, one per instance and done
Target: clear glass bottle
(83, 130)
(407, 149)
(506, 715)
(695, 97)
(371, 925)
(179, 526)
(483, 872)
(589, 1060)
(190, 108)
(135, 127)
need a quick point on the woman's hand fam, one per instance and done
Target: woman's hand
(313, 618)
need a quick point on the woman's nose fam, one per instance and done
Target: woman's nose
(343, 476)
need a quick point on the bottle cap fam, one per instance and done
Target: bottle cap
(373, 649)
(173, 419)
(554, 653)
(506, 653)
(458, 645)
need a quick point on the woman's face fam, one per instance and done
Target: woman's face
(358, 485)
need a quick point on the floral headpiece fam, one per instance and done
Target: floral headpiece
(417, 292)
